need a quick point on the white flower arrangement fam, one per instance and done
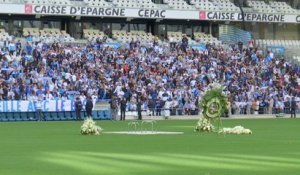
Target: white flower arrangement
(204, 125)
(216, 85)
(89, 127)
(235, 130)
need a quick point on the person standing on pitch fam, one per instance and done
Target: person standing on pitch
(89, 107)
(293, 108)
(123, 108)
(139, 109)
(114, 107)
(39, 113)
(78, 108)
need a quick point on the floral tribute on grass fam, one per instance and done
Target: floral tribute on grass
(89, 127)
(214, 103)
(235, 130)
(204, 125)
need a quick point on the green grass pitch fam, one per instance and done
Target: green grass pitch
(57, 148)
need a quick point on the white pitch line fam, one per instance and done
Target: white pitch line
(144, 132)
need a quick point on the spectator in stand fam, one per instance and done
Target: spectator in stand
(18, 47)
(251, 44)
(1, 44)
(11, 48)
(28, 49)
(152, 71)
(184, 43)
(240, 46)
(172, 43)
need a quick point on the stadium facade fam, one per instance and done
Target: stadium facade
(272, 20)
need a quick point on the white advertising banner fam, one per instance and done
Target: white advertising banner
(63, 10)
(47, 106)
(12, 9)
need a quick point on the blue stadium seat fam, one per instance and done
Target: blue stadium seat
(82, 114)
(73, 114)
(3, 116)
(54, 116)
(31, 116)
(47, 116)
(101, 115)
(10, 116)
(68, 116)
(107, 115)
(61, 115)
(23, 116)
(17, 116)
(94, 114)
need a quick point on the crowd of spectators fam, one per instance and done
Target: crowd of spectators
(159, 75)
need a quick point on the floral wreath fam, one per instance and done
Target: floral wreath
(213, 105)
(214, 101)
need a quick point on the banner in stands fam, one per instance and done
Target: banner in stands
(277, 50)
(199, 47)
(107, 12)
(30, 106)
(112, 45)
(35, 9)
(230, 16)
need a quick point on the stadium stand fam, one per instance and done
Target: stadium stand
(297, 58)
(49, 35)
(90, 34)
(226, 5)
(177, 36)
(198, 38)
(261, 6)
(126, 37)
(152, 63)
(149, 4)
(126, 3)
(99, 3)
(179, 4)
(205, 5)
(31, 31)
(283, 7)
(230, 35)
(210, 5)
(56, 2)
(205, 38)
(4, 35)
(292, 43)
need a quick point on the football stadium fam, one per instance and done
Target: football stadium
(149, 87)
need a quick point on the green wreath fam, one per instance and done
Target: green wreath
(213, 108)
(213, 103)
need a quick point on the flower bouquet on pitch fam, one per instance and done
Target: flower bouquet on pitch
(89, 127)
(204, 125)
(235, 130)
